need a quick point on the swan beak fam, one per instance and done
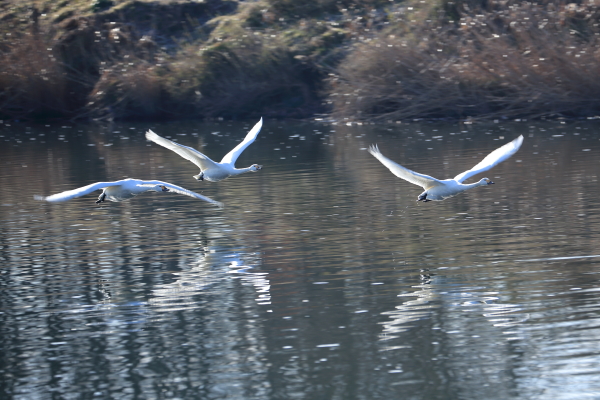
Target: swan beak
(165, 189)
(490, 183)
(258, 167)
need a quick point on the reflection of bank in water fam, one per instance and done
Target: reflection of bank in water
(214, 273)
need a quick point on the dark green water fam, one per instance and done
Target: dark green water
(322, 278)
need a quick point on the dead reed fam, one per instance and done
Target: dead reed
(522, 60)
(32, 81)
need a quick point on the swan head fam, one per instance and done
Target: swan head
(200, 176)
(486, 181)
(255, 167)
(160, 188)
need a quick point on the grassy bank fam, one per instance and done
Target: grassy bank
(354, 59)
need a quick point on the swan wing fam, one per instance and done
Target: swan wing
(425, 181)
(82, 191)
(233, 155)
(491, 160)
(193, 155)
(180, 190)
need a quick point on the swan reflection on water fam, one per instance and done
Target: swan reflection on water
(213, 272)
(411, 310)
(430, 295)
(206, 314)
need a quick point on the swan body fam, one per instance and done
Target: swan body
(210, 170)
(123, 190)
(436, 189)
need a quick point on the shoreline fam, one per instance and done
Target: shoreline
(352, 60)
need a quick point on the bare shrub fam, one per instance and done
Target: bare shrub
(125, 91)
(395, 80)
(523, 60)
(308, 8)
(242, 77)
(32, 82)
(254, 78)
(230, 79)
(45, 74)
(542, 74)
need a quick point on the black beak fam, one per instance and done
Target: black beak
(165, 189)
(490, 183)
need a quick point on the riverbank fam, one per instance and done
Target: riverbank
(353, 59)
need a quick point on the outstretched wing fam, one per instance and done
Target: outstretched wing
(491, 160)
(425, 181)
(233, 155)
(82, 191)
(180, 190)
(193, 155)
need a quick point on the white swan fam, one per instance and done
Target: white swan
(210, 170)
(124, 190)
(439, 190)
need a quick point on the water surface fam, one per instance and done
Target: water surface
(322, 278)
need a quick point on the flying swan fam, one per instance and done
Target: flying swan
(210, 170)
(442, 189)
(123, 190)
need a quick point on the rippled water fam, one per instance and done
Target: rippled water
(322, 278)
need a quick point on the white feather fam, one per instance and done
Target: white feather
(491, 160)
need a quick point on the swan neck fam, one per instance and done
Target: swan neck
(473, 185)
(238, 171)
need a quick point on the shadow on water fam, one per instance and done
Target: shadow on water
(321, 278)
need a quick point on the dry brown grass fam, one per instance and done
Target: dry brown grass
(32, 81)
(126, 91)
(525, 60)
(252, 76)
(308, 8)
(102, 67)
(245, 77)
(48, 71)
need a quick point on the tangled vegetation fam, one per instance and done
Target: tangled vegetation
(353, 59)
(476, 59)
